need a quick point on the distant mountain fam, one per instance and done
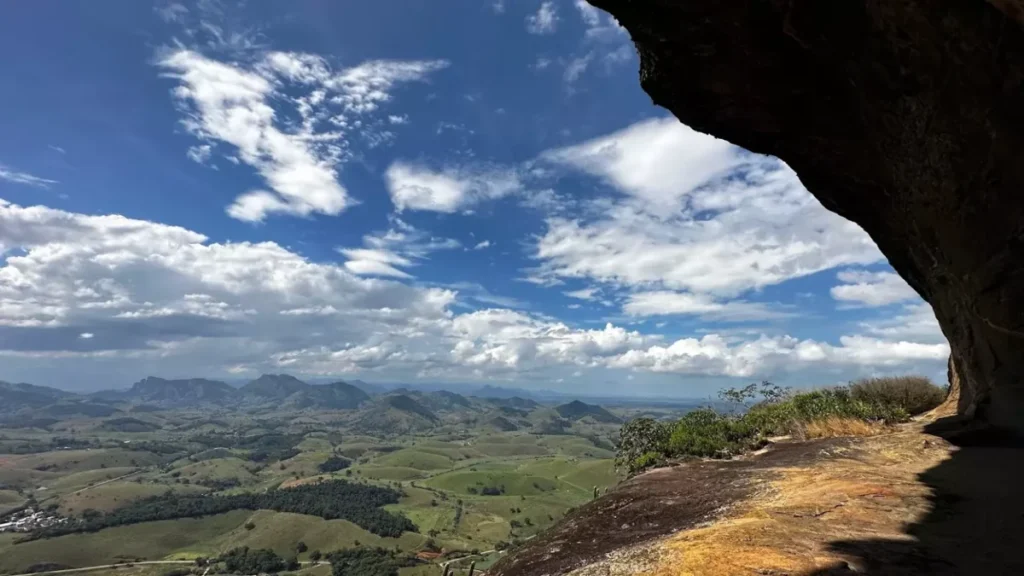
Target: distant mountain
(337, 395)
(407, 404)
(515, 402)
(371, 389)
(173, 393)
(274, 387)
(489, 391)
(14, 397)
(444, 400)
(576, 410)
(395, 414)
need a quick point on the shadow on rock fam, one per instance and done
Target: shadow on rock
(976, 522)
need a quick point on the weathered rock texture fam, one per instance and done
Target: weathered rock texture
(906, 117)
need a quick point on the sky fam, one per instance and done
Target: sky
(405, 191)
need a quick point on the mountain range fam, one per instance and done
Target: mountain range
(393, 411)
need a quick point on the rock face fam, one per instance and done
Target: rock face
(905, 117)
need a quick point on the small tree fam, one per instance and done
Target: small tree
(640, 437)
(301, 547)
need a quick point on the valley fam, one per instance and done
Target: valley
(188, 470)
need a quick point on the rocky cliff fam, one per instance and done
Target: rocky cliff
(905, 117)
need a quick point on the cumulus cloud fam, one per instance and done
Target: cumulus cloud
(234, 104)
(16, 177)
(128, 296)
(482, 245)
(450, 189)
(544, 21)
(666, 303)
(714, 355)
(143, 286)
(872, 288)
(916, 322)
(692, 213)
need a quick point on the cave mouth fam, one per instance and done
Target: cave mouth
(903, 117)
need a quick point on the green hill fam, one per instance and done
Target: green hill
(396, 414)
(14, 397)
(274, 387)
(576, 410)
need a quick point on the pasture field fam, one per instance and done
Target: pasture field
(463, 484)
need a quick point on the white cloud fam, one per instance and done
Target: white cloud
(916, 323)
(544, 21)
(664, 303)
(622, 54)
(498, 6)
(418, 187)
(591, 16)
(872, 288)
(142, 288)
(658, 160)
(200, 154)
(692, 213)
(713, 355)
(482, 245)
(234, 104)
(576, 67)
(367, 262)
(13, 176)
(403, 119)
(400, 247)
(583, 294)
(164, 299)
(542, 63)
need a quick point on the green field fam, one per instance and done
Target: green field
(152, 541)
(117, 494)
(441, 473)
(282, 531)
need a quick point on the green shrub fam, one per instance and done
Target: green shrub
(915, 394)
(640, 437)
(647, 460)
(839, 402)
(772, 418)
(645, 443)
(707, 433)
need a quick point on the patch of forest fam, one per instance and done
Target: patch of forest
(335, 499)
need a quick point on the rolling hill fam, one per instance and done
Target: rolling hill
(576, 410)
(274, 387)
(396, 414)
(14, 397)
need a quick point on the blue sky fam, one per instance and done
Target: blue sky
(405, 191)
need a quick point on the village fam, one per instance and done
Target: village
(30, 520)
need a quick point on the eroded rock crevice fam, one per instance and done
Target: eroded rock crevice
(904, 117)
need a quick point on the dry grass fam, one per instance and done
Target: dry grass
(837, 426)
(787, 526)
(915, 394)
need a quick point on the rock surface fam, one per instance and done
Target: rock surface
(905, 117)
(904, 503)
